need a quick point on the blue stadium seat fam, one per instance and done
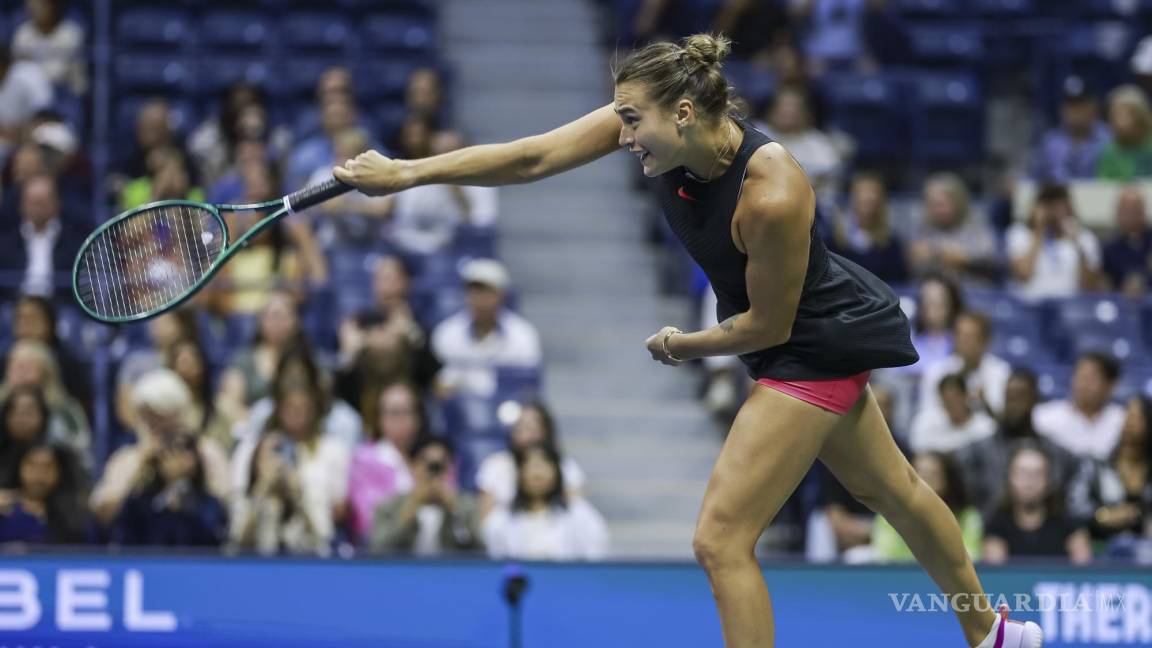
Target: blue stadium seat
(474, 241)
(936, 8)
(142, 26)
(381, 79)
(231, 30)
(315, 30)
(217, 73)
(390, 117)
(1006, 8)
(752, 83)
(946, 44)
(397, 32)
(1095, 321)
(947, 119)
(521, 384)
(297, 78)
(1098, 51)
(137, 72)
(1135, 380)
(866, 107)
(1052, 379)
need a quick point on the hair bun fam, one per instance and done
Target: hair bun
(707, 49)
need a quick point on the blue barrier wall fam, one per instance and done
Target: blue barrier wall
(160, 602)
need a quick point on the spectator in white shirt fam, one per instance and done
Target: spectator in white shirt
(542, 524)
(954, 424)
(790, 122)
(319, 469)
(473, 343)
(44, 246)
(425, 218)
(24, 91)
(1088, 424)
(496, 478)
(984, 374)
(1052, 255)
(53, 42)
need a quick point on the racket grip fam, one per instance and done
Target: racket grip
(316, 194)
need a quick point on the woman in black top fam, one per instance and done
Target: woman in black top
(808, 324)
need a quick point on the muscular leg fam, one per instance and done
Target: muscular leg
(864, 458)
(773, 441)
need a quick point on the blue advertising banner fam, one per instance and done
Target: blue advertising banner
(168, 602)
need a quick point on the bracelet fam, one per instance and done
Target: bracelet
(667, 351)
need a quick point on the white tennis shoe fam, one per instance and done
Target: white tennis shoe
(1012, 634)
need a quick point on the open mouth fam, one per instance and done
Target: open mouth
(643, 155)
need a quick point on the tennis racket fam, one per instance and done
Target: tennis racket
(151, 259)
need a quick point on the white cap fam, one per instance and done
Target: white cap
(486, 272)
(56, 136)
(163, 392)
(1142, 59)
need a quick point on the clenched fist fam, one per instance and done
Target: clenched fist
(373, 174)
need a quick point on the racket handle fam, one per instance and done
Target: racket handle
(316, 194)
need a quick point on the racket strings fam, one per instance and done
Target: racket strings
(144, 262)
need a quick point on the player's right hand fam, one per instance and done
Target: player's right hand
(372, 173)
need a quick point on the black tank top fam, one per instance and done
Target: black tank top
(847, 321)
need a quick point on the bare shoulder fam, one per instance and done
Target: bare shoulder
(775, 188)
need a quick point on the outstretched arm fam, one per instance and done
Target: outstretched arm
(524, 160)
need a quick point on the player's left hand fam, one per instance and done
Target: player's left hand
(655, 346)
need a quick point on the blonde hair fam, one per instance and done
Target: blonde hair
(957, 191)
(52, 387)
(691, 69)
(1132, 97)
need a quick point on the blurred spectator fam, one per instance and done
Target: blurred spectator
(334, 83)
(47, 506)
(425, 218)
(485, 336)
(945, 479)
(45, 244)
(285, 256)
(541, 523)
(952, 425)
(1052, 255)
(23, 425)
(297, 367)
(172, 505)
(153, 131)
(725, 376)
(790, 122)
(1071, 151)
(35, 320)
(984, 374)
(168, 178)
(951, 238)
(242, 118)
(24, 91)
(186, 358)
(754, 27)
(424, 96)
(840, 528)
(271, 516)
(165, 415)
(337, 114)
(383, 340)
(1115, 495)
(1128, 256)
(985, 462)
(381, 466)
(841, 33)
(1128, 155)
(414, 139)
(54, 42)
(319, 464)
(353, 219)
(938, 304)
(864, 232)
(496, 477)
(249, 376)
(164, 331)
(434, 518)
(31, 364)
(1031, 520)
(1088, 423)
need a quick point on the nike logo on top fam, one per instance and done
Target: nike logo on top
(683, 194)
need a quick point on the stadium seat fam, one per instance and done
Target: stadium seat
(314, 30)
(1005, 8)
(752, 83)
(1095, 321)
(217, 73)
(381, 79)
(297, 78)
(150, 27)
(397, 32)
(947, 119)
(137, 72)
(866, 107)
(933, 8)
(231, 30)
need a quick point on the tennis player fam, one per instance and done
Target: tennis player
(808, 324)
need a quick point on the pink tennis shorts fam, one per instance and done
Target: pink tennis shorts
(837, 395)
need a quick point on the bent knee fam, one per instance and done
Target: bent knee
(890, 495)
(718, 546)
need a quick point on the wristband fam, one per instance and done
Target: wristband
(667, 351)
